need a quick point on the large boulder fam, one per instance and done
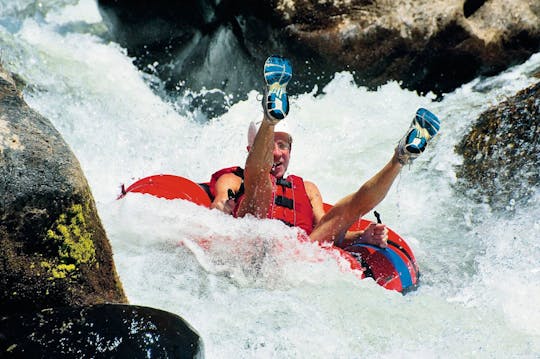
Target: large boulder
(501, 153)
(58, 282)
(53, 249)
(427, 45)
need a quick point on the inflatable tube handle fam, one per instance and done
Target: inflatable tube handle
(378, 216)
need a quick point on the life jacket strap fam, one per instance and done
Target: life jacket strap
(284, 202)
(283, 182)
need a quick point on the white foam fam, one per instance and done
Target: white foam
(85, 10)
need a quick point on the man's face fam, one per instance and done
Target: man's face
(282, 154)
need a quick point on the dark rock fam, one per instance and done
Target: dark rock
(501, 154)
(53, 248)
(195, 45)
(471, 6)
(99, 331)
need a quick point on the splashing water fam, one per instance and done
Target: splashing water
(247, 286)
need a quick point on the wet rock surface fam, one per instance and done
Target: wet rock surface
(53, 246)
(502, 151)
(56, 264)
(98, 331)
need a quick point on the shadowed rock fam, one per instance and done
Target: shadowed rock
(99, 331)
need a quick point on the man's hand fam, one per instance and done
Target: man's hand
(375, 234)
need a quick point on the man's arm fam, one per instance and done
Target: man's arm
(375, 233)
(315, 198)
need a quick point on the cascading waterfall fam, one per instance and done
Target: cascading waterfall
(255, 292)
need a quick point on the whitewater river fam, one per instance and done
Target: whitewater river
(256, 292)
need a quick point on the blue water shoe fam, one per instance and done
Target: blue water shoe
(277, 74)
(423, 128)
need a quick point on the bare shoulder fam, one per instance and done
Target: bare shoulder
(312, 189)
(316, 200)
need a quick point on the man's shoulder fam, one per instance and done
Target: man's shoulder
(310, 186)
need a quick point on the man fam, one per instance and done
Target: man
(263, 191)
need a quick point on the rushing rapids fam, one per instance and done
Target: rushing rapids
(264, 296)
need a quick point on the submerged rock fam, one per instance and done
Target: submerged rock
(99, 331)
(501, 153)
(53, 248)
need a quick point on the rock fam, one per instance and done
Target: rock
(426, 45)
(99, 331)
(53, 248)
(195, 44)
(501, 153)
(56, 264)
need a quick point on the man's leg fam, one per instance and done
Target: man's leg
(334, 224)
(257, 183)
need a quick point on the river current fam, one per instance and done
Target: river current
(256, 292)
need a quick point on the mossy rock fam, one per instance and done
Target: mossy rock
(501, 153)
(53, 248)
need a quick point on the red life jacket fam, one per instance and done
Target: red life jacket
(290, 202)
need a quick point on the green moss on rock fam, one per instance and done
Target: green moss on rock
(501, 165)
(70, 235)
